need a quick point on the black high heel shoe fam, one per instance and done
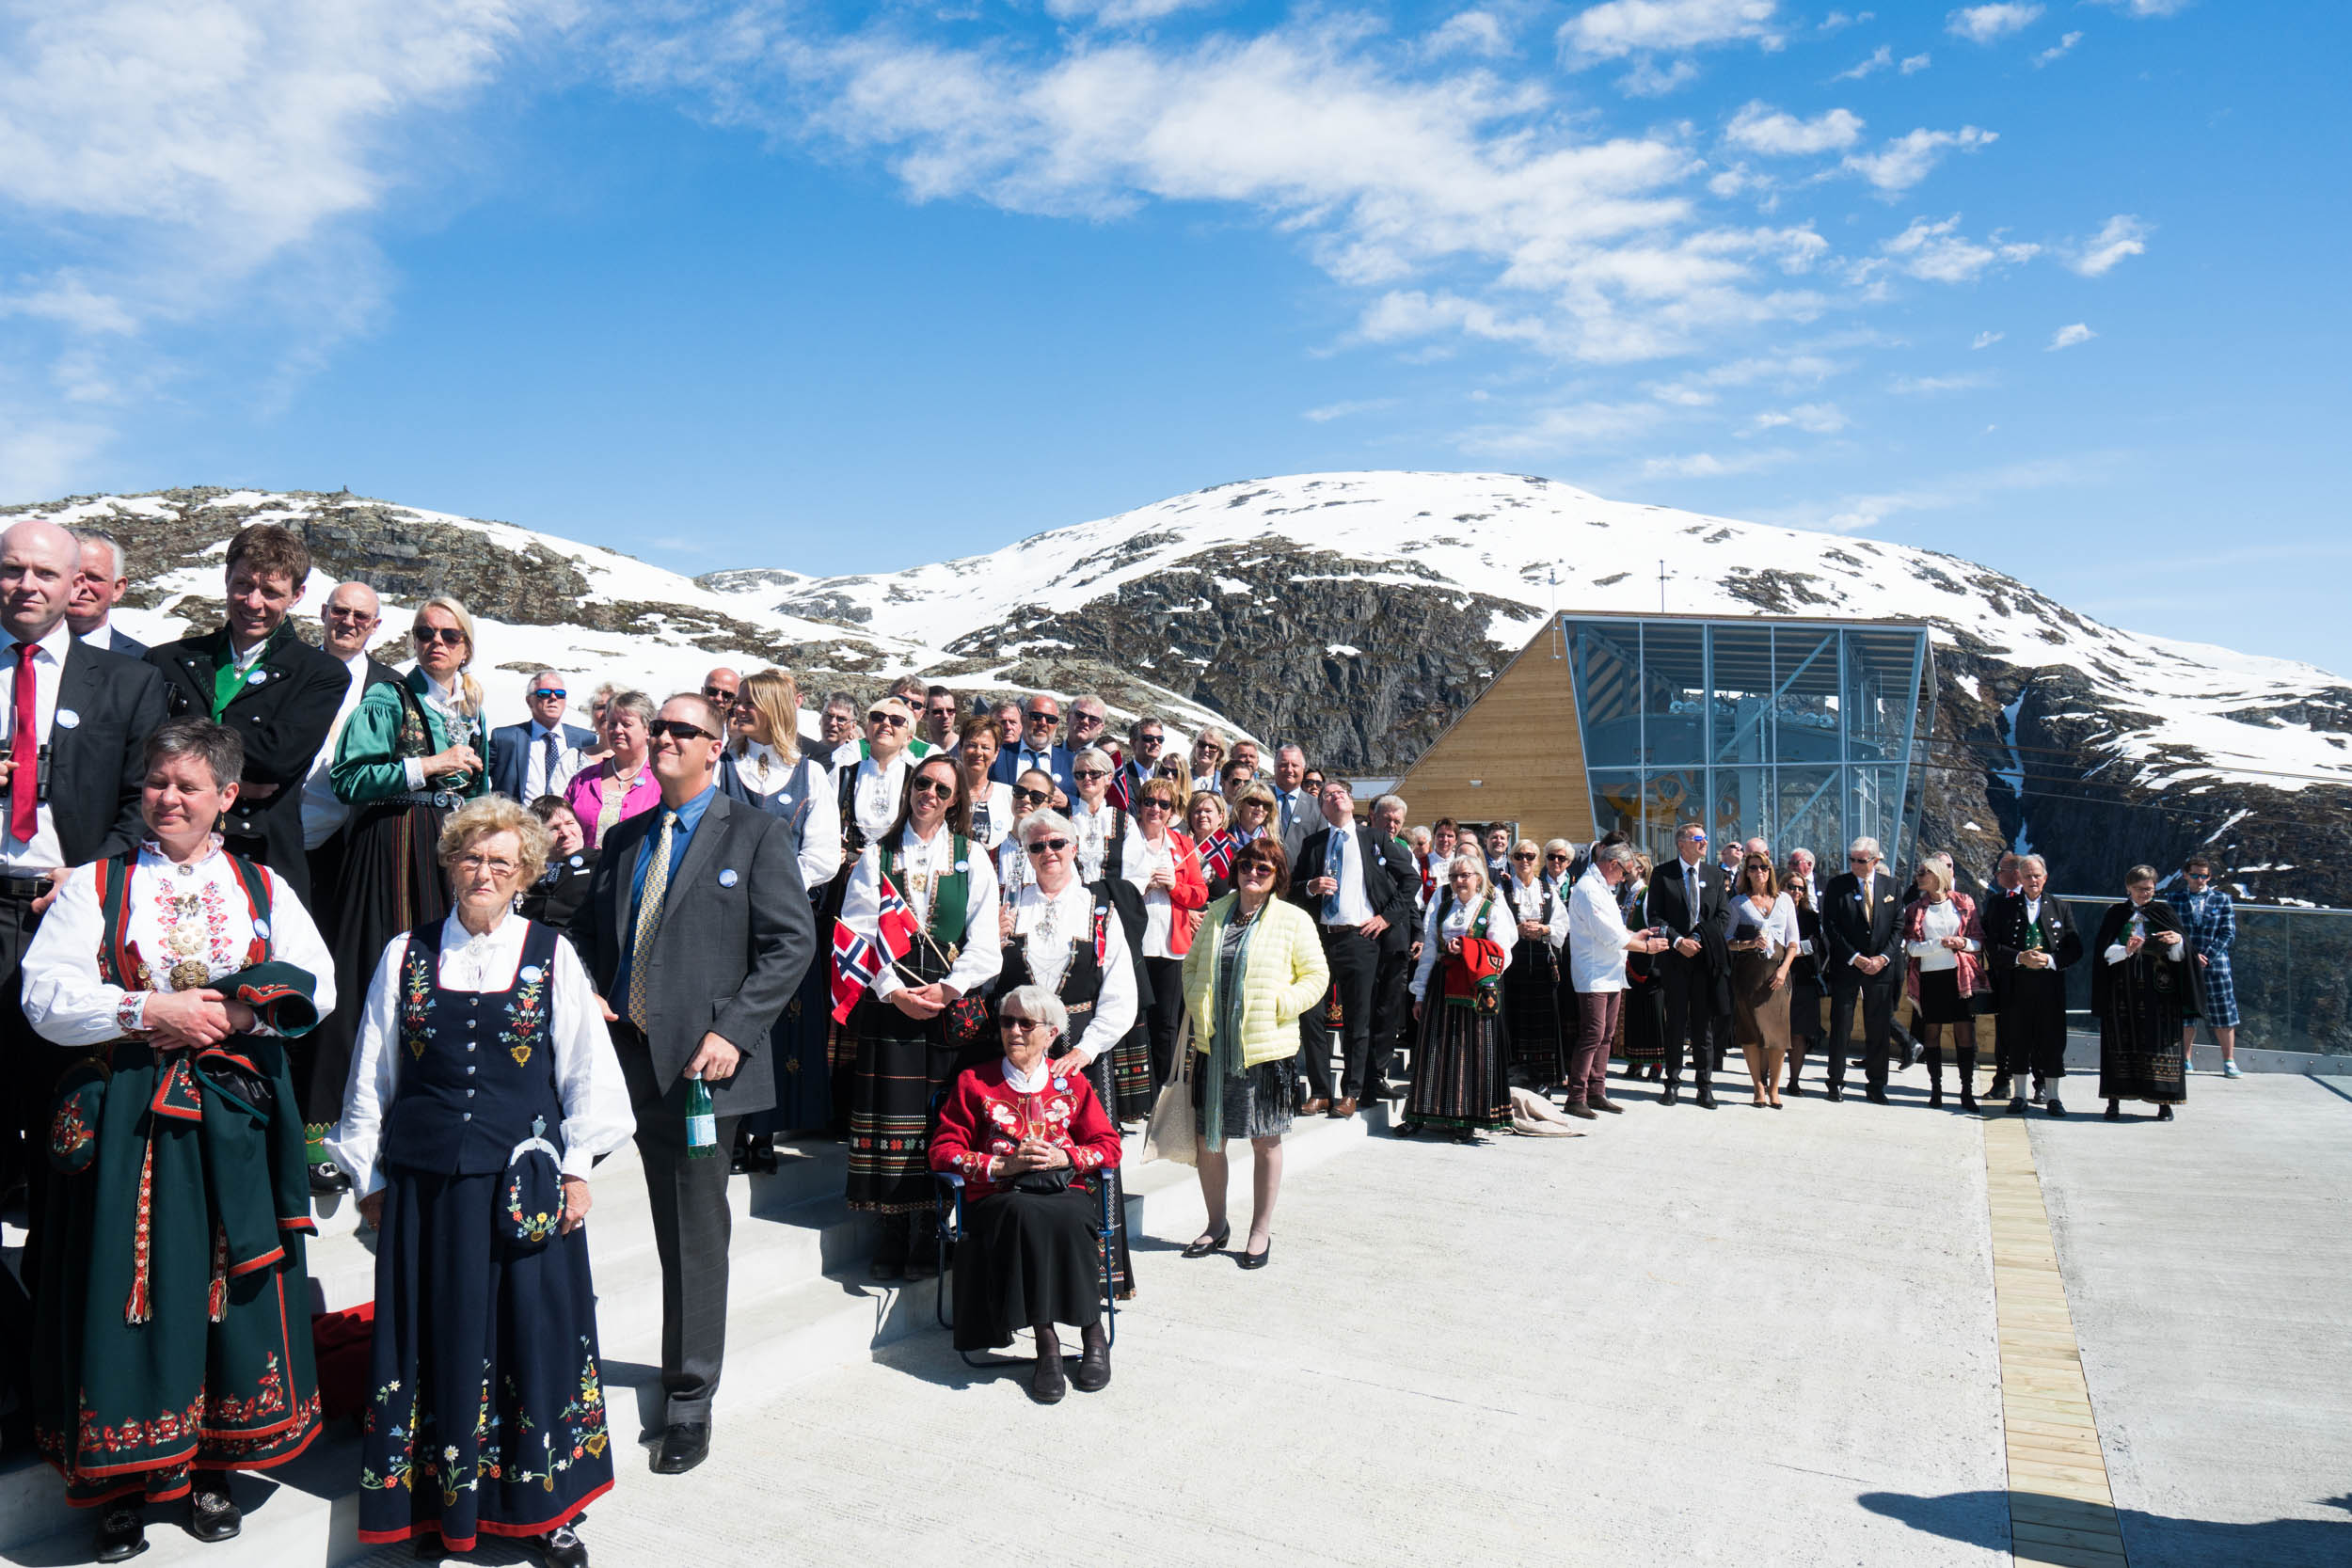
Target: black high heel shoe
(1207, 1245)
(1258, 1259)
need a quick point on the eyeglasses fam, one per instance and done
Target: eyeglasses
(1089, 773)
(1049, 847)
(677, 729)
(1022, 1026)
(1523, 854)
(1032, 796)
(2198, 876)
(344, 612)
(1151, 802)
(1556, 857)
(1148, 740)
(1048, 720)
(1861, 860)
(940, 787)
(546, 692)
(1081, 716)
(449, 635)
(477, 862)
(1255, 863)
(1695, 838)
(888, 721)
(719, 693)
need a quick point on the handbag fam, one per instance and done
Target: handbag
(1170, 1134)
(1056, 1179)
(967, 1023)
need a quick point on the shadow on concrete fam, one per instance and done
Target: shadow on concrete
(2149, 1540)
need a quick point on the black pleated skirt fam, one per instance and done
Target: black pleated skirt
(1459, 1077)
(1531, 1015)
(1026, 1258)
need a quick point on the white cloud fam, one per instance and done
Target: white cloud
(1648, 79)
(1939, 253)
(1908, 159)
(1914, 64)
(1837, 22)
(1469, 33)
(1569, 428)
(1853, 512)
(1931, 386)
(1623, 28)
(1760, 127)
(2056, 50)
(2144, 9)
(1820, 418)
(1331, 411)
(1705, 465)
(1986, 340)
(2125, 235)
(2067, 337)
(1120, 14)
(1991, 23)
(1880, 59)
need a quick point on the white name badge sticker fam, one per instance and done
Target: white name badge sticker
(261, 929)
(69, 719)
(727, 877)
(257, 677)
(530, 974)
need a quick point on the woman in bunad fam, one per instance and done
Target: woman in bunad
(763, 766)
(1460, 1080)
(905, 1053)
(1066, 938)
(1032, 792)
(620, 784)
(484, 1091)
(1531, 988)
(1109, 850)
(2137, 989)
(171, 1338)
(1205, 815)
(410, 755)
(1174, 894)
(992, 813)
(1944, 975)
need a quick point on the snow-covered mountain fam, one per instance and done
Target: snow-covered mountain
(1360, 612)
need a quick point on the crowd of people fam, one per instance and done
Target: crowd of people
(287, 923)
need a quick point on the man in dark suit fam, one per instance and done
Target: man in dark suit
(1691, 901)
(277, 691)
(1861, 961)
(698, 933)
(524, 757)
(76, 745)
(2031, 939)
(1040, 720)
(1359, 888)
(100, 581)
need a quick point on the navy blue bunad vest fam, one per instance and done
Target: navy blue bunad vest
(479, 1067)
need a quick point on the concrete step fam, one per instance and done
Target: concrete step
(800, 1306)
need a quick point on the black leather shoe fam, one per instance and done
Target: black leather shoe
(328, 1178)
(212, 1515)
(1705, 1099)
(1834, 1094)
(1207, 1245)
(1258, 1259)
(1935, 1097)
(1047, 1383)
(1967, 1100)
(2056, 1106)
(1794, 1089)
(2164, 1112)
(1876, 1096)
(1999, 1089)
(121, 1533)
(684, 1445)
(561, 1547)
(2115, 1110)
(1095, 1362)
(2017, 1105)
(1672, 1093)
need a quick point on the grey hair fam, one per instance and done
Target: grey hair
(114, 548)
(1386, 801)
(1292, 745)
(1615, 854)
(631, 702)
(1470, 863)
(1042, 821)
(838, 699)
(2036, 862)
(1097, 754)
(1210, 733)
(217, 746)
(1037, 1004)
(1867, 845)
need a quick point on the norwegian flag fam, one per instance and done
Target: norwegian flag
(894, 922)
(856, 960)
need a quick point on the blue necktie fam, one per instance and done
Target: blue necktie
(547, 765)
(1332, 858)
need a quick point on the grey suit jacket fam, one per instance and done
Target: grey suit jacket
(736, 935)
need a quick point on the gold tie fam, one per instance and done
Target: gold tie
(648, 923)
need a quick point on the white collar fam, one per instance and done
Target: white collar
(435, 691)
(1020, 1083)
(357, 663)
(505, 936)
(55, 642)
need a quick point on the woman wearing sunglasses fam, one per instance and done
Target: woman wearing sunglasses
(1032, 792)
(1066, 938)
(408, 759)
(1110, 854)
(1531, 989)
(1174, 894)
(904, 1056)
(1459, 1079)
(1255, 967)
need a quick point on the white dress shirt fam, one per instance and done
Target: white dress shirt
(322, 813)
(1355, 907)
(1071, 920)
(879, 788)
(1941, 920)
(40, 853)
(597, 1115)
(1159, 910)
(980, 953)
(67, 1003)
(1435, 933)
(1597, 935)
(1777, 924)
(991, 813)
(538, 777)
(459, 728)
(1527, 903)
(1093, 829)
(808, 798)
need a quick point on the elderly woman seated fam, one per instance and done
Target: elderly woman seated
(1022, 1134)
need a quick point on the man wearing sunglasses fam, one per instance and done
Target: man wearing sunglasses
(527, 759)
(1862, 961)
(1039, 747)
(351, 616)
(277, 691)
(1690, 901)
(698, 934)
(1146, 740)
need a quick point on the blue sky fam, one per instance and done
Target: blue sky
(2053, 286)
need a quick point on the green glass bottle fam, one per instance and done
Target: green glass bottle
(702, 1122)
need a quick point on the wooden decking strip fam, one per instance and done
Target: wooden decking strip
(2060, 1507)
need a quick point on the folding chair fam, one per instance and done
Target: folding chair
(951, 1235)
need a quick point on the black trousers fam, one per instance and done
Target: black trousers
(2032, 1031)
(29, 1066)
(1167, 1013)
(1691, 1015)
(691, 1228)
(1876, 994)
(1392, 1014)
(1354, 960)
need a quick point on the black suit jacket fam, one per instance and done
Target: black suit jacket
(510, 755)
(736, 935)
(283, 718)
(98, 756)
(1667, 906)
(1849, 931)
(114, 639)
(2004, 926)
(1389, 881)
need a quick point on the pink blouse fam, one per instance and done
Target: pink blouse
(585, 795)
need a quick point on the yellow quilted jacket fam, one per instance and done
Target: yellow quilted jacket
(1286, 976)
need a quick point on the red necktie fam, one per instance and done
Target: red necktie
(25, 753)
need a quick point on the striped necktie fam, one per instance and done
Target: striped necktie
(648, 923)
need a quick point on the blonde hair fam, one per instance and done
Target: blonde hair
(1932, 869)
(495, 814)
(776, 697)
(468, 689)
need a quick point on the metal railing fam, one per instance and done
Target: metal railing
(2292, 969)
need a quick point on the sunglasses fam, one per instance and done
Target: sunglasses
(1556, 857)
(1048, 720)
(940, 787)
(1148, 803)
(1089, 773)
(1022, 1026)
(549, 691)
(677, 729)
(1255, 863)
(1049, 847)
(1151, 739)
(890, 721)
(1524, 855)
(1032, 796)
(449, 635)
(2198, 876)
(343, 613)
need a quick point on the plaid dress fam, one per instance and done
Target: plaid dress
(2210, 920)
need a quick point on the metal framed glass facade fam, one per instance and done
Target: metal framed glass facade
(1808, 732)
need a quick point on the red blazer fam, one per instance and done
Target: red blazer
(1190, 895)
(983, 1118)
